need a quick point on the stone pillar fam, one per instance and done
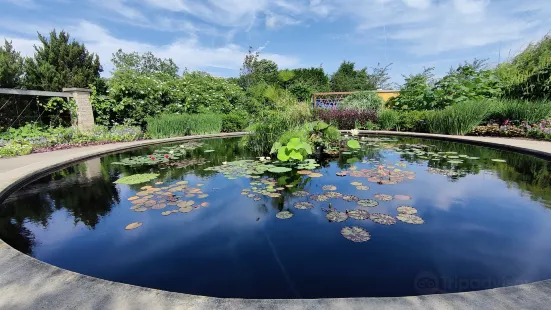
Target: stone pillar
(85, 114)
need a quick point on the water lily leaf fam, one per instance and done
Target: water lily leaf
(356, 183)
(133, 225)
(205, 204)
(353, 144)
(304, 172)
(301, 193)
(402, 197)
(203, 196)
(337, 217)
(368, 203)
(315, 175)
(279, 169)
(133, 198)
(137, 178)
(362, 188)
(329, 187)
(333, 194)
(303, 205)
(319, 197)
(410, 219)
(406, 210)
(284, 215)
(350, 198)
(159, 206)
(358, 214)
(383, 219)
(499, 160)
(140, 209)
(355, 234)
(455, 161)
(166, 213)
(473, 158)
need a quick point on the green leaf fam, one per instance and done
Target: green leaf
(280, 169)
(137, 178)
(296, 155)
(353, 144)
(294, 143)
(282, 154)
(275, 147)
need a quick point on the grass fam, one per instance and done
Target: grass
(175, 125)
(388, 119)
(518, 110)
(460, 118)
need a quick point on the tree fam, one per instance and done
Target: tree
(11, 66)
(255, 71)
(380, 78)
(60, 62)
(348, 79)
(144, 63)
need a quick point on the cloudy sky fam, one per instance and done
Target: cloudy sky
(214, 35)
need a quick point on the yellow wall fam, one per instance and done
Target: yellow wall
(387, 95)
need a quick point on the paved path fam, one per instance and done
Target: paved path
(26, 283)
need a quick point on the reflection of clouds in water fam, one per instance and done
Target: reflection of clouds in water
(63, 228)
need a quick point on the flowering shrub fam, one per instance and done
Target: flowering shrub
(539, 130)
(346, 119)
(496, 130)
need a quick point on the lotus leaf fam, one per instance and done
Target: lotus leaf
(133, 225)
(304, 205)
(406, 210)
(353, 144)
(410, 219)
(337, 217)
(383, 219)
(137, 178)
(355, 234)
(284, 215)
(358, 214)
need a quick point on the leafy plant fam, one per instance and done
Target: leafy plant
(388, 119)
(416, 94)
(296, 149)
(235, 121)
(137, 178)
(363, 100)
(459, 119)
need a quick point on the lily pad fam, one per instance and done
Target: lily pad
(133, 198)
(279, 169)
(335, 216)
(304, 172)
(301, 193)
(383, 197)
(355, 234)
(315, 175)
(362, 188)
(159, 206)
(455, 161)
(284, 215)
(140, 209)
(133, 225)
(406, 210)
(333, 194)
(319, 197)
(186, 209)
(166, 213)
(410, 219)
(358, 214)
(137, 178)
(402, 197)
(304, 205)
(383, 219)
(369, 203)
(350, 198)
(499, 160)
(329, 187)
(356, 183)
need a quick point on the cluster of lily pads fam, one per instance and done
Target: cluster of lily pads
(264, 186)
(165, 155)
(247, 168)
(175, 198)
(382, 174)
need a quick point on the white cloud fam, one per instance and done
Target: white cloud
(274, 21)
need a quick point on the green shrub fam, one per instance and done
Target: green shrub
(388, 119)
(363, 100)
(235, 122)
(459, 119)
(415, 121)
(15, 148)
(266, 130)
(519, 110)
(174, 125)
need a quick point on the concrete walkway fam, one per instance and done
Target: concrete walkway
(26, 283)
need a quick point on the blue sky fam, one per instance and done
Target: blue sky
(214, 35)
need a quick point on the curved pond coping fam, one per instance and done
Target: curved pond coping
(27, 283)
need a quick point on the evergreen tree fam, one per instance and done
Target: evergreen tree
(60, 62)
(11, 66)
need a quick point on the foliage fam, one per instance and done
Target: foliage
(266, 130)
(59, 62)
(413, 121)
(468, 82)
(380, 77)
(145, 63)
(235, 121)
(60, 111)
(301, 90)
(499, 131)
(519, 110)
(353, 144)
(347, 78)
(319, 134)
(539, 130)
(11, 66)
(363, 100)
(416, 94)
(256, 70)
(346, 119)
(460, 118)
(388, 119)
(296, 149)
(528, 74)
(175, 125)
(15, 148)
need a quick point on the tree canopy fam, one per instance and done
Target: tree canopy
(144, 63)
(60, 62)
(11, 66)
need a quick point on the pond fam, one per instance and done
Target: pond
(399, 217)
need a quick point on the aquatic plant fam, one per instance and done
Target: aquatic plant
(294, 150)
(137, 178)
(355, 234)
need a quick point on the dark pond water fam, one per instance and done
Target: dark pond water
(485, 223)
